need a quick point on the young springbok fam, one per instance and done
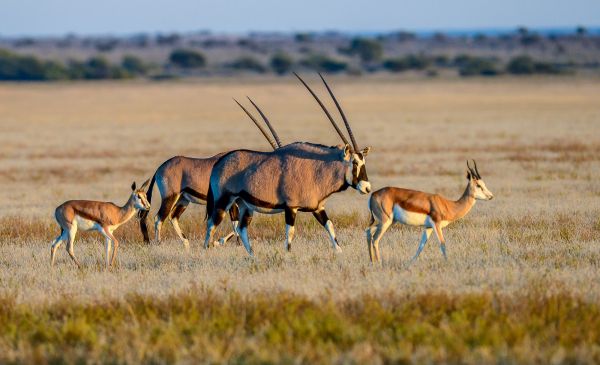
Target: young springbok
(103, 217)
(417, 208)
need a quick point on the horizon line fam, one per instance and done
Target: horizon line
(451, 31)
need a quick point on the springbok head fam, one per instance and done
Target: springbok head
(478, 188)
(356, 173)
(140, 199)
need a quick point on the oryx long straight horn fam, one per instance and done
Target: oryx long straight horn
(266, 122)
(337, 104)
(262, 130)
(337, 129)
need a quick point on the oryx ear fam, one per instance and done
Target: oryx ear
(347, 151)
(365, 151)
(133, 186)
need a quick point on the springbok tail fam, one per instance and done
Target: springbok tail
(371, 211)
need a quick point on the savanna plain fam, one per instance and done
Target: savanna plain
(521, 283)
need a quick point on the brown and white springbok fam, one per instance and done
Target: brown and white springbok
(416, 208)
(104, 217)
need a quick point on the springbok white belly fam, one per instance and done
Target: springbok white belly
(86, 224)
(410, 218)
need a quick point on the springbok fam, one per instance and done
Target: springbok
(104, 217)
(183, 180)
(296, 177)
(417, 208)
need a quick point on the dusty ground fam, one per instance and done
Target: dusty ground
(536, 142)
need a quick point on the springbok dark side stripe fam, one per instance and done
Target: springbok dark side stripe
(85, 215)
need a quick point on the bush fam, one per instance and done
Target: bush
(95, 68)
(281, 63)
(475, 66)
(187, 58)
(98, 68)
(134, 65)
(14, 67)
(410, 62)
(525, 65)
(324, 63)
(395, 65)
(248, 63)
(369, 50)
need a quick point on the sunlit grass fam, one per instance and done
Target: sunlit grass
(200, 326)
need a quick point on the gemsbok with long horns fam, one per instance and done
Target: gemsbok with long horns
(183, 180)
(298, 177)
(416, 208)
(104, 217)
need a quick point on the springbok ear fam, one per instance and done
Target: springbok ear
(469, 176)
(145, 185)
(133, 186)
(365, 151)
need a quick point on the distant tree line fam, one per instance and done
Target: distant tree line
(16, 67)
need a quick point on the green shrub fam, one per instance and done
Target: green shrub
(248, 63)
(409, 62)
(187, 58)
(15, 67)
(476, 66)
(525, 65)
(95, 68)
(281, 63)
(395, 65)
(134, 65)
(98, 68)
(369, 50)
(324, 63)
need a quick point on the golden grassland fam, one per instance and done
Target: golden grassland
(522, 282)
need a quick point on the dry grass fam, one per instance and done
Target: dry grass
(536, 143)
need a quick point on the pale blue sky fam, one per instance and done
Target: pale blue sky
(57, 17)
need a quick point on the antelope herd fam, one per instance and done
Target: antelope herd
(297, 177)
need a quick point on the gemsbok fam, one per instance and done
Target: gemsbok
(416, 208)
(183, 180)
(298, 177)
(104, 217)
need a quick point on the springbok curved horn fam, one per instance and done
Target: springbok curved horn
(470, 169)
(354, 144)
(476, 170)
(263, 131)
(277, 140)
(145, 184)
(337, 129)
